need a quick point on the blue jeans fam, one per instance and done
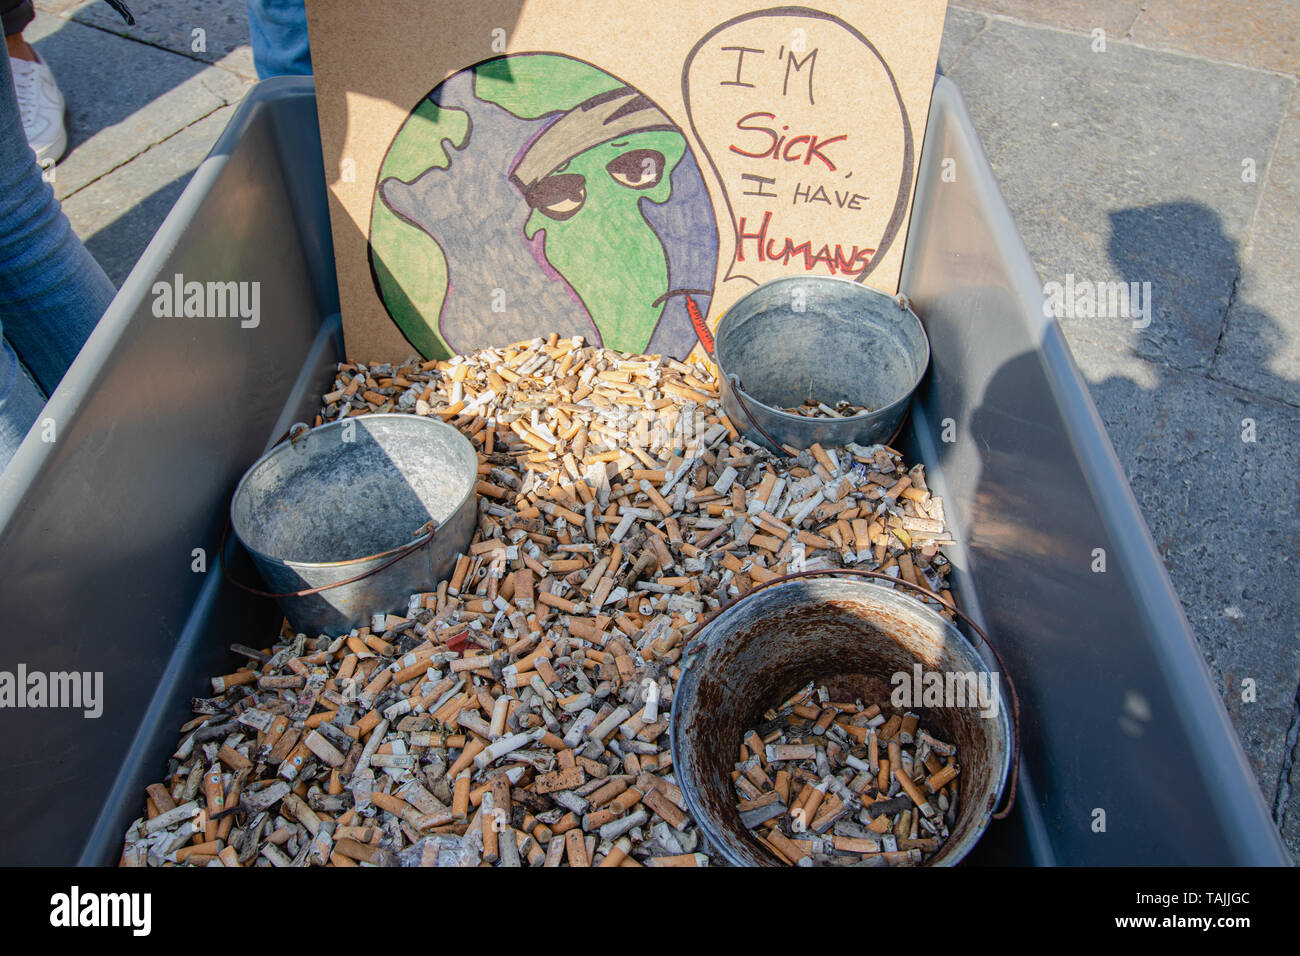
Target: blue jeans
(52, 291)
(278, 29)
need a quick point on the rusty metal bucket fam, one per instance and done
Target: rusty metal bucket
(852, 635)
(823, 338)
(343, 509)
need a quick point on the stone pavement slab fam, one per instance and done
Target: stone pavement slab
(58, 7)
(1260, 347)
(1259, 33)
(122, 96)
(1113, 16)
(1125, 166)
(171, 25)
(959, 28)
(119, 213)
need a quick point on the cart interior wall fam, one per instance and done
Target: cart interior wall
(158, 419)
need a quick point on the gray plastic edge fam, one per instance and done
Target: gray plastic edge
(103, 843)
(1220, 759)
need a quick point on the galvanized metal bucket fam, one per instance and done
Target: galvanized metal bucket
(853, 635)
(822, 338)
(343, 501)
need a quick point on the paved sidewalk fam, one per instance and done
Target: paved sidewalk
(1165, 149)
(144, 108)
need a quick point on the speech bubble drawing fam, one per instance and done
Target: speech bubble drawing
(804, 126)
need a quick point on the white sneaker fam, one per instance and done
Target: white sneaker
(41, 105)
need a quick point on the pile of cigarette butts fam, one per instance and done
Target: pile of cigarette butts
(812, 408)
(853, 806)
(518, 715)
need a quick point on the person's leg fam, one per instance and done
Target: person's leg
(15, 15)
(52, 291)
(20, 400)
(20, 403)
(39, 100)
(278, 29)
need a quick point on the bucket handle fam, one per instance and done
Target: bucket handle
(296, 431)
(863, 572)
(405, 550)
(744, 407)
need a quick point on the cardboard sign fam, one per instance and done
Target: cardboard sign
(502, 170)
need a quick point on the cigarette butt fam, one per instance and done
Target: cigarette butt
(792, 851)
(913, 792)
(323, 749)
(555, 851)
(823, 459)
(575, 848)
(161, 798)
(683, 859)
(500, 711)
(558, 780)
(458, 575)
(460, 798)
(891, 727)
(666, 809)
(894, 490)
(240, 677)
(781, 784)
(777, 753)
(607, 792)
(352, 850)
(812, 804)
(855, 844)
(655, 498)
(215, 795)
(491, 490)
(907, 732)
(617, 854)
(939, 780)
(491, 833)
(211, 848)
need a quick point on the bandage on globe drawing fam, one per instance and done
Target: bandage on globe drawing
(535, 193)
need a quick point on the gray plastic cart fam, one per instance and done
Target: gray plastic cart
(101, 529)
